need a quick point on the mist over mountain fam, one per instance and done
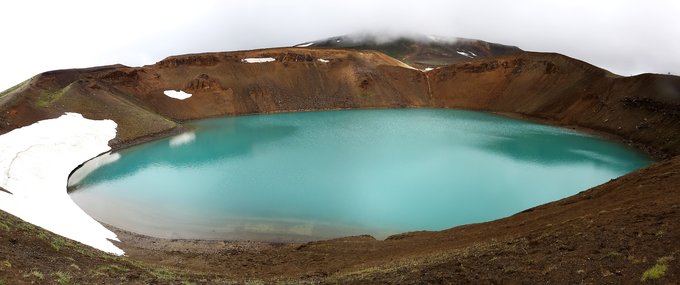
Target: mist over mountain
(418, 50)
(626, 37)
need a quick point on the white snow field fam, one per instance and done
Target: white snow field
(35, 162)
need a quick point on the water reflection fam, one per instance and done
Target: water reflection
(182, 139)
(214, 144)
(330, 174)
(551, 148)
(92, 165)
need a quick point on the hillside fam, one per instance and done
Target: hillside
(221, 84)
(611, 233)
(640, 109)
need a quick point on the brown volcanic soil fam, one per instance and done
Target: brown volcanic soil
(608, 234)
(643, 109)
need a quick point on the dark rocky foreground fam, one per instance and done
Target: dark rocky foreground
(621, 232)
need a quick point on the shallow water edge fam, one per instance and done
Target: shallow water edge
(397, 124)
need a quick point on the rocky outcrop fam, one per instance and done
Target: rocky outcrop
(189, 60)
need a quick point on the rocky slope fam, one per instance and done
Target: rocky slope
(612, 233)
(642, 109)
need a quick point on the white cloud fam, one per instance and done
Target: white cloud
(625, 36)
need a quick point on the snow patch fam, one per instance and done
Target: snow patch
(177, 94)
(466, 54)
(182, 139)
(305, 45)
(428, 69)
(34, 163)
(323, 60)
(258, 59)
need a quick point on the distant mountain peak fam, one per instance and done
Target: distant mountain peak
(418, 50)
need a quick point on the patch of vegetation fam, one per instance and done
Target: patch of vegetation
(59, 242)
(658, 270)
(635, 260)
(4, 226)
(6, 264)
(163, 274)
(665, 260)
(62, 278)
(13, 88)
(35, 274)
(108, 270)
(109, 257)
(42, 236)
(56, 242)
(74, 266)
(56, 245)
(25, 226)
(84, 252)
(50, 96)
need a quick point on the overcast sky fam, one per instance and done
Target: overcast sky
(625, 37)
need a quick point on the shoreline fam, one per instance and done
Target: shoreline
(655, 154)
(136, 241)
(133, 241)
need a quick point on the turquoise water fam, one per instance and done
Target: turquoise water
(305, 176)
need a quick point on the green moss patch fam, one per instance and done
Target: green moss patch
(4, 227)
(47, 97)
(658, 270)
(13, 88)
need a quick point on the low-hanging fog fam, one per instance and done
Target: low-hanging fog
(623, 36)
